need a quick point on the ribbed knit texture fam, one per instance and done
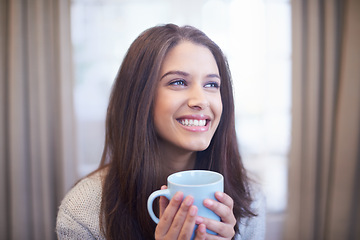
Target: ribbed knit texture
(78, 216)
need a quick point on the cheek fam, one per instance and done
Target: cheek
(165, 107)
(162, 107)
(159, 104)
(168, 102)
(217, 106)
(159, 115)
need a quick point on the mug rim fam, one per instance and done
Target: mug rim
(219, 179)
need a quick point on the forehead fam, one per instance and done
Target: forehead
(189, 56)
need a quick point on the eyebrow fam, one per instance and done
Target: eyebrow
(181, 73)
(185, 74)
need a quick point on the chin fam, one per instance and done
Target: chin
(197, 147)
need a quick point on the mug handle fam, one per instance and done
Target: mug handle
(152, 197)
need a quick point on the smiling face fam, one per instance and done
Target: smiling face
(188, 106)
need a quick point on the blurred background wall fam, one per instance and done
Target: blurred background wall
(296, 82)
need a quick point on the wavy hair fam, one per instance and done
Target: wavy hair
(131, 150)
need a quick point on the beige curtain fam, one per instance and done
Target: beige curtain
(324, 167)
(37, 164)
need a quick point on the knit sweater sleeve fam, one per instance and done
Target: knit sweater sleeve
(254, 228)
(78, 215)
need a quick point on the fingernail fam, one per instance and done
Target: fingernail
(208, 203)
(189, 201)
(202, 228)
(219, 194)
(199, 220)
(178, 196)
(193, 211)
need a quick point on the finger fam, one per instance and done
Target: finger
(225, 212)
(169, 214)
(189, 224)
(163, 202)
(222, 229)
(225, 199)
(224, 209)
(181, 224)
(201, 232)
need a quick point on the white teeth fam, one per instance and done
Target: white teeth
(193, 122)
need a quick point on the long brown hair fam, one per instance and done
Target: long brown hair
(131, 147)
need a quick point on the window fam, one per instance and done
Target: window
(255, 36)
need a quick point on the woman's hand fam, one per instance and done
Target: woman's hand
(177, 218)
(224, 209)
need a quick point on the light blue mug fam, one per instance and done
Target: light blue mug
(200, 184)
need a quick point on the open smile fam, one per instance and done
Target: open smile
(193, 122)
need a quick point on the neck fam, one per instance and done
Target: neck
(175, 160)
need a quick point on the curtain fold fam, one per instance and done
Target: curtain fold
(37, 163)
(324, 165)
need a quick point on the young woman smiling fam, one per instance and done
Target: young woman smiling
(171, 109)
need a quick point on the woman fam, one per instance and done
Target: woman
(171, 109)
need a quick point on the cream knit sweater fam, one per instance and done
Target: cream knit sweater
(78, 216)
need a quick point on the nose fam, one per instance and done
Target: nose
(197, 98)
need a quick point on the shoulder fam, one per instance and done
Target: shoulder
(254, 227)
(78, 215)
